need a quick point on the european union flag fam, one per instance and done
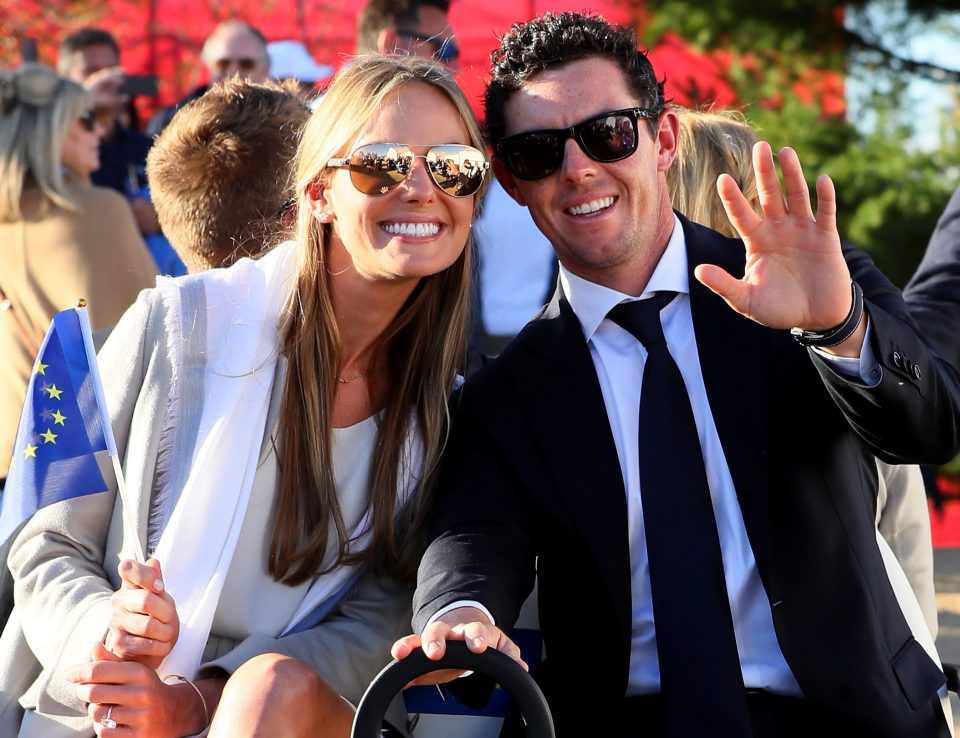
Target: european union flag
(60, 427)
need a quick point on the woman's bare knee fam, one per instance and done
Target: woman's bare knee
(272, 685)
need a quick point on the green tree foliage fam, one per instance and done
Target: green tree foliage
(890, 190)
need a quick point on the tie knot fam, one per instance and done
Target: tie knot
(642, 318)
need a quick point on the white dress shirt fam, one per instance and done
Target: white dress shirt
(619, 359)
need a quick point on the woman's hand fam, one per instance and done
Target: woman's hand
(141, 705)
(144, 624)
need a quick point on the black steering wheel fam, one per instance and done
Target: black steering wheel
(500, 667)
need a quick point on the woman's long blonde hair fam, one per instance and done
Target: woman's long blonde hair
(37, 109)
(421, 350)
(711, 143)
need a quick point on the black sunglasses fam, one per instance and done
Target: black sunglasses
(606, 137)
(377, 168)
(445, 50)
(88, 120)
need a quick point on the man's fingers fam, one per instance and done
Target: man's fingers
(768, 184)
(405, 646)
(476, 635)
(734, 291)
(798, 194)
(511, 649)
(434, 638)
(826, 204)
(739, 210)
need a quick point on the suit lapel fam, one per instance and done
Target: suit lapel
(733, 360)
(558, 382)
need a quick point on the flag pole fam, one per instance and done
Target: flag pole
(125, 509)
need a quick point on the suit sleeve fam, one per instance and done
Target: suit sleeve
(912, 414)
(61, 586)
(933, 293)
(481, 545)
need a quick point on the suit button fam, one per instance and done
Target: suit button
(897, 359)
(916, 372)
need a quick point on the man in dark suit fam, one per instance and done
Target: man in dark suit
(729, 586)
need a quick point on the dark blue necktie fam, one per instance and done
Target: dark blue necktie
(700, 678)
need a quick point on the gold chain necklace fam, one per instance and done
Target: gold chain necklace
(355, 377)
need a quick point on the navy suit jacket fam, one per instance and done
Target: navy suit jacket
(531, 485)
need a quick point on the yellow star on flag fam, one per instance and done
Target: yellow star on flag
(58, 418)
(41, 367)
(49, 437)
(53, 391)
(30, 451)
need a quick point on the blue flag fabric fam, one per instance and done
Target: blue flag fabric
(60, 429)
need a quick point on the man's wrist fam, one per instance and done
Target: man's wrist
(464, 611)
(841, 334)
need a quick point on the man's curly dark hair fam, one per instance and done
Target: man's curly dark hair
(556, 39)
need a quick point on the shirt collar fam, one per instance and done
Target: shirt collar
(591, 301)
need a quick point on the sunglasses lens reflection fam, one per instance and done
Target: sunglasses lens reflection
(457, 170)
(609, 138)
(378, 168)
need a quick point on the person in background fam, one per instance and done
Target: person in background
(234, 48)
(711, 143)
(290, 60)
(61, 238)
(222, 172)
(280, 423)
(419, 27)
(91, 57)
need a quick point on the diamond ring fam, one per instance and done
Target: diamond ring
(108, 722)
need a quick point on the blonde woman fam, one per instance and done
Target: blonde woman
(281, 422)
(60, 237)
(711, 143)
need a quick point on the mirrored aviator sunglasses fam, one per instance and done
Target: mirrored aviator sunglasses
(377, 168)
(605, 138)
